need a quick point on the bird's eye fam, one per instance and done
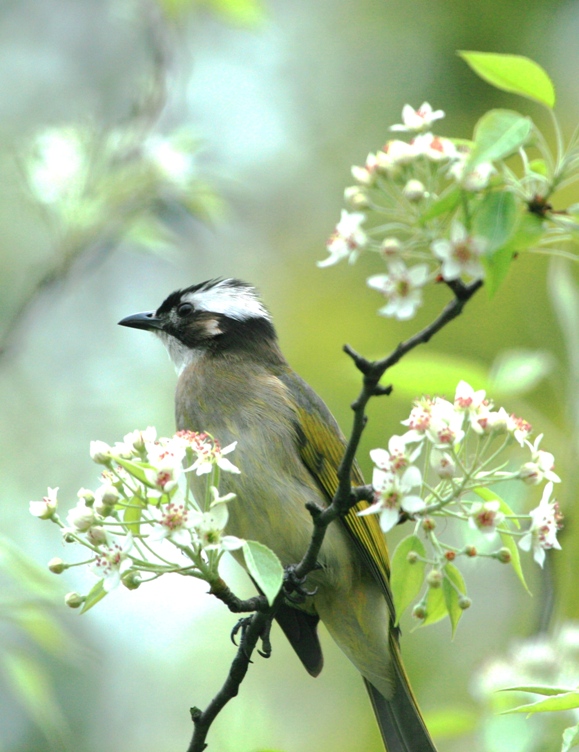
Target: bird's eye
(184, 309)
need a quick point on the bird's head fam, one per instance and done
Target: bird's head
(213, 317)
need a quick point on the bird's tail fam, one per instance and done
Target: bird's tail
(400, 721)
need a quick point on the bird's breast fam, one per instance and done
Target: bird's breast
(253, 407)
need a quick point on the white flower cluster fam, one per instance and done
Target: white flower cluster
(397, 187)
(143, 503)
(459, 444)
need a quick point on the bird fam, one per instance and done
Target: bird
(235, 384)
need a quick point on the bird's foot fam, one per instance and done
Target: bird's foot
(241, 627)
(294, 586)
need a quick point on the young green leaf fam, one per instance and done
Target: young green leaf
(132, 516)
(537, 690)
(513, 73)
(495, 219)
(265, 568)
(497, 135)
(435, 606)
(509, 543)
(407, 578)
(135, 470)
(453, 586)
(570, 738)
(96, 594)
(443, 205)
(565, 701)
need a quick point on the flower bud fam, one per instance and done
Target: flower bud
(503, 555)
(57, 566)
(80, 518)
(105, 499)
(414, 191)
(419, 611)
(464, 602)
(131, 580)
(97, 535)
(356, 198)
(428, 524)
(390, 247)
(450, 555)
(86, 495)
(100, 452)
(68, 538)
(470, 551)
(412, 557)
(434, 578)
(74, 600)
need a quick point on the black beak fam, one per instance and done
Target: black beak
(146, 320)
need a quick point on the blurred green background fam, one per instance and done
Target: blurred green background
(282, 98)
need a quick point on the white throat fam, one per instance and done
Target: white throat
(181, 355)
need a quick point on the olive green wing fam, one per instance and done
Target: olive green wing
(321, 445)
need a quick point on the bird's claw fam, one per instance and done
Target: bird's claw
(242, 625)
(295, 592)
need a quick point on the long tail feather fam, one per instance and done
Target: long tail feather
(400, 721)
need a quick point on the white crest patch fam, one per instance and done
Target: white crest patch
(239, 303)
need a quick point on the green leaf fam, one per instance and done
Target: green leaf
(513, 73)
(516, 372)
(570, 738)
(495, 219)
(445, 204)
(508, 542)
(435, 606)
(132, 516)
(406, 578)
(265, 568)
(96, 594)
(528, 232)
(539, 166)
(453, 585)
(537, 690)
(565, 701)
(497, 135)
(496, 269)
(136, 470)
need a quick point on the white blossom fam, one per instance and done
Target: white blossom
(545, 521)
(417, 120)
(393, 493)
(401, 287)
(460, 255)
(485, 517)
(347, 240)
(47, 507)
(112, 561)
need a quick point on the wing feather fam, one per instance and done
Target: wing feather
(321, 446)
